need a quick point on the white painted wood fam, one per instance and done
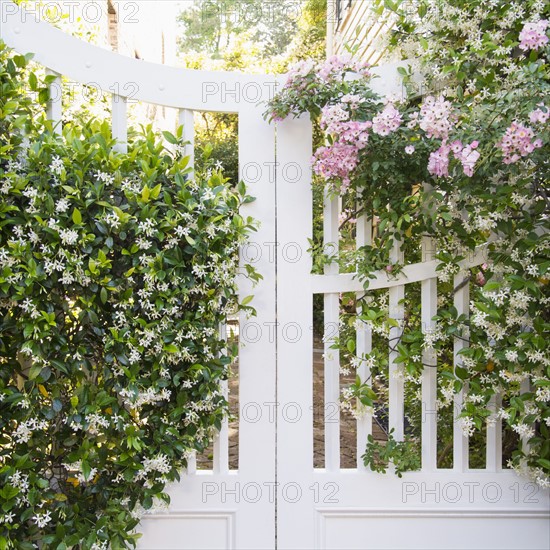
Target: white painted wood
(494, 437)
(395, 382)
(119, 123)
(189, 530)
(55, 103)
(187, 119)
(429, 359)
(331, 211)
(221, 441)
(412, 273)
(332, 383)
(257, 356)
(429, 530)
(228, 92)
(192, 464)
(525, 387)
(295, 524)
(364, 345)
(462, 305)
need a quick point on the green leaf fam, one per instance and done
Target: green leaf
(103, 295)
(33, 82)
(86, 469)
(155, 192)
(245, 301)
(8, 492)
(35, 371)
(422, 10)
(77, 216)
(145, 194)
(170, 138)
(43, 95)
(147, 502)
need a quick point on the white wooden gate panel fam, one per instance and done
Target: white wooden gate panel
(276, 498)
(334, 508)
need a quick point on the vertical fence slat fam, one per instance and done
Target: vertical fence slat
(494, 437)
(187, 119)
(525, 387)
(331, 356)
(221, 441)
(54, 106)
(396, 385)
(429, 359)
(460, 441)
(257, 379)
(364, 346)
(192, 464)
(119, 122)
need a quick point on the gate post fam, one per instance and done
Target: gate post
(294, 333)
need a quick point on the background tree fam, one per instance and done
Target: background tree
(252, 36)
(213, 26)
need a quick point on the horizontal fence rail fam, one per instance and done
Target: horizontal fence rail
(227, 92)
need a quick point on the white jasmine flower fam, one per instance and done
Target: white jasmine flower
(42, 519)
(62, 205)
(57, 165)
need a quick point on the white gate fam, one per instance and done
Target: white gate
(353, 508)
(276, 498)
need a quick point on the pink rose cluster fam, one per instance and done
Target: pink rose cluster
(436, 117)
(332, 117)
(387, 121)
(353, 100)
(336, 161)
(303, 73)
(438, 163)
(355, 133)
(336, 65)
(350, 137)
(467, 155)
(533, 35)
(518, 142)
(340, 158)
(538, 116)
(335, 120)
(297, 75)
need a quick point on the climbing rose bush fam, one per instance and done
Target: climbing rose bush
(469, 170)
(116, 270)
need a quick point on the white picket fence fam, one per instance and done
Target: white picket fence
(276, 498)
